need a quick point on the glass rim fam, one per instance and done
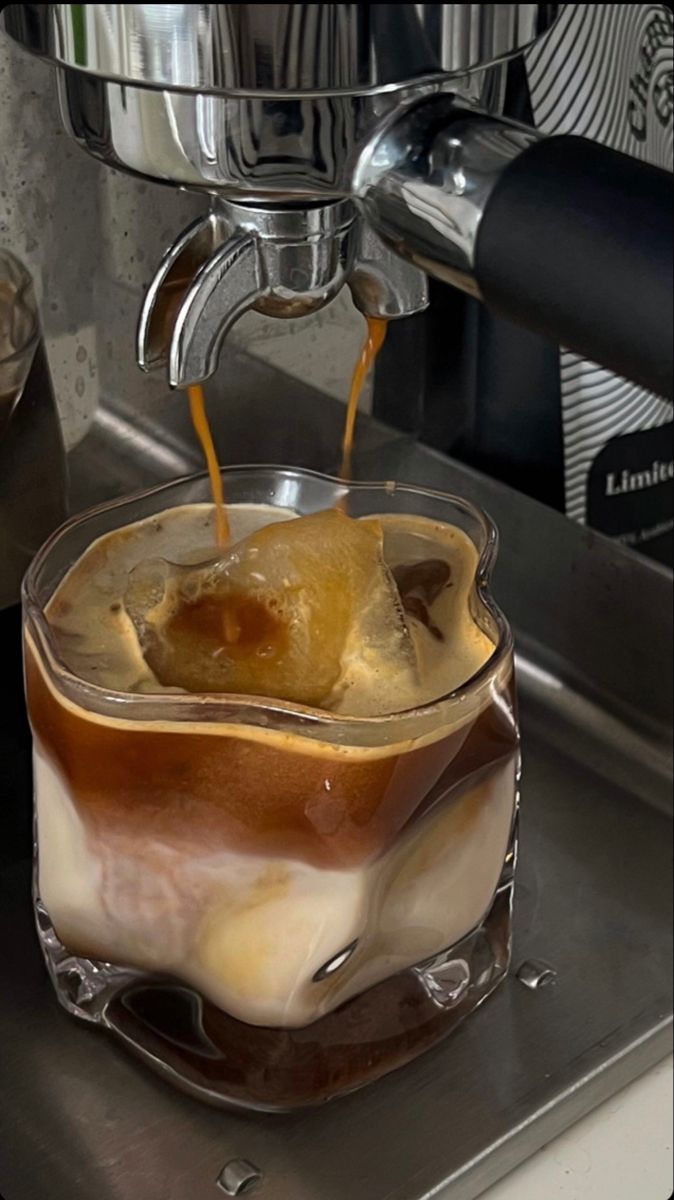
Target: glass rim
(173, 702)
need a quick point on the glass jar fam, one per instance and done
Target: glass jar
(272, 904)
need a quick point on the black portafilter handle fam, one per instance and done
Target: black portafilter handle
(575, 243)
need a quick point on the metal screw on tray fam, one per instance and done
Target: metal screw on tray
(534, 973)
(239, 1178)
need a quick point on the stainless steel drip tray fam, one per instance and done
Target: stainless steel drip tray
(80, 1119)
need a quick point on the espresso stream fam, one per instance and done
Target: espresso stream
(251, 616)
(202, 429)
(374, 340)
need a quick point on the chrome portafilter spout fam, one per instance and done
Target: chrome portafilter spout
(283, 262)
(308, 122)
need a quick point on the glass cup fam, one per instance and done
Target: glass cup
(32, 456)
(19, 332)
(272, 904)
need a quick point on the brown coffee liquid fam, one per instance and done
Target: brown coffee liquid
(203, 431)
(198, 792)
(235, 622)
(374, 340)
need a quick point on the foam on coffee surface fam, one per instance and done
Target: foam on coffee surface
(359, 617)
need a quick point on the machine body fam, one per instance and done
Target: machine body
(360, 144)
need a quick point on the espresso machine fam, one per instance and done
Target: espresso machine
(318, 148)
(358, 144)
(332, 145)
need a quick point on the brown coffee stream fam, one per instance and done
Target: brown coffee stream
(202, 429)
(374, 340)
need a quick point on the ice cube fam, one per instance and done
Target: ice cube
(285, 613)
